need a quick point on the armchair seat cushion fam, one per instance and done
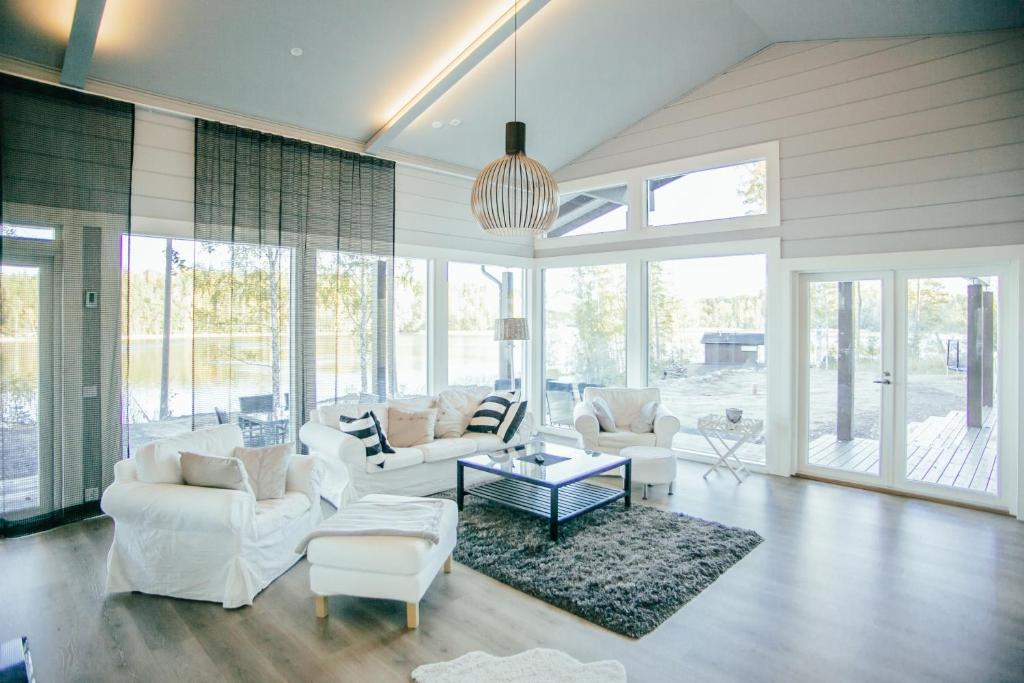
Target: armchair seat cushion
(624, 439)
(276, 513)
(446, 449)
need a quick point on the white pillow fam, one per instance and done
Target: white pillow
(604, 415)
(155, 465)
(455, 408)
(643, 423)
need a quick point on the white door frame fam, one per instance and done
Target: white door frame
(885, 278)
(1004, 262)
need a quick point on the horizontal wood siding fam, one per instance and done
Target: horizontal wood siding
(431, 208)
(915, 142)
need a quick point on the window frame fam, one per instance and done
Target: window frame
(635, 179)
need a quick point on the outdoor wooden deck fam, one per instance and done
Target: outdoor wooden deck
(940, 450)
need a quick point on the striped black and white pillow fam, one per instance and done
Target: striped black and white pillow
(366, 428)
(489, 416)
(513, 418)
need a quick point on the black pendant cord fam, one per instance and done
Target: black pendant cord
(515, 62)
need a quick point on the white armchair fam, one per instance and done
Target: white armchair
(198, 543)
(625, 405)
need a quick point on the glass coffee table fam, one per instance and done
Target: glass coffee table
(551, 487)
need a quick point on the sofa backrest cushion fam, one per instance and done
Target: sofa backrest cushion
(455, 408)
(409, 427)
(625, 403)
(159, 462)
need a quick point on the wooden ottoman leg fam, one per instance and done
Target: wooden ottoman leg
(321, 606)
(412, 614)
(448, 565)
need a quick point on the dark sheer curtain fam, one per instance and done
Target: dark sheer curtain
(65, 200)
(293, 263)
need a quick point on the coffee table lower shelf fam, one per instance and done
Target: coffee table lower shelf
(557, 505)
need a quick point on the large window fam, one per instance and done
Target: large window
(584, 335)
(410, 348)
(157, 291)
(591, 211)
(711, 194)
(707, 341)
(477, 296)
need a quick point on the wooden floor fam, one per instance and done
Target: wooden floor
(849, 585)
(940, 450)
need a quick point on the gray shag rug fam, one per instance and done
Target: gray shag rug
(625, 569)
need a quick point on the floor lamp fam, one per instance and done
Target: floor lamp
(511, 330)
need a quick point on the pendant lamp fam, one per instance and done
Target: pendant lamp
(515, 195)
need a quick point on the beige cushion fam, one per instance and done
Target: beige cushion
(446, 449)
(409, 427)
(267, 469)
(455, 408)
(213, 471)
(401, 458)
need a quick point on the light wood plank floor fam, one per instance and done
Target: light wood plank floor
(849, 585)
(940, 450)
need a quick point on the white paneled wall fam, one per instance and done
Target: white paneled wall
(431, 208)
(885, 144)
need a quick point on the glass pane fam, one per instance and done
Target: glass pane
(725, 192)
(584, 335)
(19, 402)
(158, 325)
(952, 395)
(477, 296)
(346, 321)
(707, 341)
(241, 344)
(844, 345)
(410, 327)
(593, 211)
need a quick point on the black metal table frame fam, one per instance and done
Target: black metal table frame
(587, 497)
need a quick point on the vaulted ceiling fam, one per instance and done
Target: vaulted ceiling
(587, 68)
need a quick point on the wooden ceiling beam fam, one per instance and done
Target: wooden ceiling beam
(444, 81)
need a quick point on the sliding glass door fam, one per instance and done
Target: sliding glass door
(900, 381)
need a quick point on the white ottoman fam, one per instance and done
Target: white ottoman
(387, 567)
(652, 465)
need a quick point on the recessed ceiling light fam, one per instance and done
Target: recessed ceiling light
(437, 124)
(455, 122)
(296, 51)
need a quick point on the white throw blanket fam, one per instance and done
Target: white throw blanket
(416, 519)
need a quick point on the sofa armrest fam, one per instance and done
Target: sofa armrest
(585, 420)
(305, 475)
(333, 444)
(125, 471)
(178, 507)
(665, 426)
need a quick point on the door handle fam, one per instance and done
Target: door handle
(884, 379)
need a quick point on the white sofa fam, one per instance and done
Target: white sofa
(416, 471)
(201, 543)
(625, 404)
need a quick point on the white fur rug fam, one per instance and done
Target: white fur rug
(532, 666)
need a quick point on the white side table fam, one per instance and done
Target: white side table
(718, 432)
